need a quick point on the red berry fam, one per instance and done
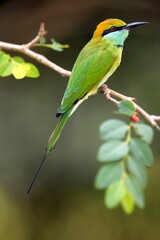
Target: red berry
(135, 118)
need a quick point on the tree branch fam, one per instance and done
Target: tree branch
(25, 49)
(111, 95)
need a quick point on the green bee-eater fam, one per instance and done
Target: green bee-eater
(96, 62)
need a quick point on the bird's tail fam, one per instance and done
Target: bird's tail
(57, 131)
(51, 143)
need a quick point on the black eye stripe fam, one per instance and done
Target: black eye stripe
(112, 29)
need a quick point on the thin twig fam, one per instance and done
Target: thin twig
(42, 30)
(111, 95)
(41, 33)
(32, 42)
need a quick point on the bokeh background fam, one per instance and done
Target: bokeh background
(64, 204)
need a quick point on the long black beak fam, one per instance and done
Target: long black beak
(134, 24)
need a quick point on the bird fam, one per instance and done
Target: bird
(96, 62)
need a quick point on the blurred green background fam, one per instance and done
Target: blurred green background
(63, 204)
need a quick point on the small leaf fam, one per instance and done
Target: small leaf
(127, 203)
(126, 107)
(6, 64)
(19, 71)
(113, 129)
(114, 194)
(53, 45)
(42, 39)
(138, 170)
(18, 59)
(113, 151)
(6, 68)
(16, 66)
(4, 57)
(1, 54)
(57, 46)
(108, 174)
(135, 190)
(32, 71)
(141, 151)
(144, 131)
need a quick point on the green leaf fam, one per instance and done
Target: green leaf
(18, 59)
(53, 45)
(16, 66)
(141, 151)
(42, 39)
(135, 190)
(128, 203)
(144, 131)
(138, 170)
(114, 194)
(4, 57)
(6, 64)
(23, 69)
(19, 71)
(57, 46)
(32, 71)
(113, 129)
(1, 54)
(126, 107)
(113, 151)
(6, 68)
(108, 174)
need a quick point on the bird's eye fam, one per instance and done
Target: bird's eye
(113, 28)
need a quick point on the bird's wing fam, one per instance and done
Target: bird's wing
(92, 64)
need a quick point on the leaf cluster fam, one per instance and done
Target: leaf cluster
(17, 67)
(126, 155)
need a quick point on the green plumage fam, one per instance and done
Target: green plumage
(55, 135)
(94, 61)
(94, 65)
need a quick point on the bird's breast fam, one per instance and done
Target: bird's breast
(116, 55)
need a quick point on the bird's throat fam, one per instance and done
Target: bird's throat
(117, 37)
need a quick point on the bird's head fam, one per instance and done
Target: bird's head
(115, 29)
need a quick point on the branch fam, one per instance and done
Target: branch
(111, 95)
(25, 49)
